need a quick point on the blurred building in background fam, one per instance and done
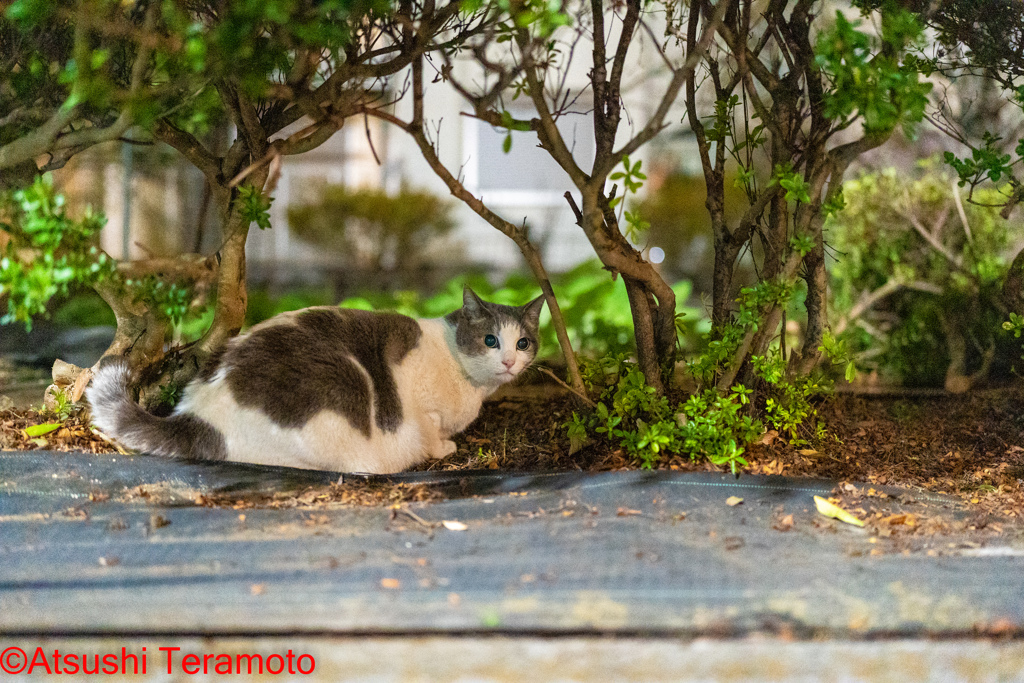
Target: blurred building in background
(157, 204)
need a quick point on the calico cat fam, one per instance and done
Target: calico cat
(332, 388)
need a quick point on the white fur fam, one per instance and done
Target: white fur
(440, 391)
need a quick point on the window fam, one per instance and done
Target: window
(526, 175)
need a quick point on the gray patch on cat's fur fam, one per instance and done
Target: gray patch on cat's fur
(478, 318)
(295, 370)
(114, 412)
(209, 369)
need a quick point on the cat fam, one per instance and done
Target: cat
(331, 388)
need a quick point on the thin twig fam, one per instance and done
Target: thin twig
(960, 210)
(584, 397)
(369, 138)
(930, 238)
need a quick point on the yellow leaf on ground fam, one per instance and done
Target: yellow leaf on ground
(451, 525)
(733, 501)
(831, 510)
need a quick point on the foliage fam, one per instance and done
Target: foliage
(713, 423)
(649, 427)
(174, 59)
(1015, 324)
(904, 234)
(373, 230)
(710, 424)
(976, 41)
(254, 206)
(66, 259)
(868, 77)
(595, 307)
(64, 249)
(721, 350)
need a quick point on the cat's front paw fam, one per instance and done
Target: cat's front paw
(443, 449)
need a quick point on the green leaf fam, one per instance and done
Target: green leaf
(851, 371)
(39, 430)
(506, 145)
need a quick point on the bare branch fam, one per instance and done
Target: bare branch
(960, 211)
(930, 238)
(694, 55)
(515, 233)
(189, 147)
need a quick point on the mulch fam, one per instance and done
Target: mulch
(75, 435)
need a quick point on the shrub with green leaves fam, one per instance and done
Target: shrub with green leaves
(713, 423)
(917, 276)
(49, 253)
(649, 427)
(50, 256)
(372, 230)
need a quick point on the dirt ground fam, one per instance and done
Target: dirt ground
(968, 446)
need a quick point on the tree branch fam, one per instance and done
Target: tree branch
(694, 54)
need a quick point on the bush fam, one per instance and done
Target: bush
(648, 427)
(712, 424)
(917, 291)
(64, 252)
(373, 231)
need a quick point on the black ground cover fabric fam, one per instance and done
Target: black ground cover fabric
(629, 552)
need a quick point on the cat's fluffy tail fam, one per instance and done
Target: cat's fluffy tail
(117, 415)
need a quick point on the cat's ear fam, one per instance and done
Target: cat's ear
(531, 311)
(473, 307)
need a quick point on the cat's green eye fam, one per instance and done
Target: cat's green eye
(523, 344)
(490, 341)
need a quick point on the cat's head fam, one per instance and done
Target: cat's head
(495, 342)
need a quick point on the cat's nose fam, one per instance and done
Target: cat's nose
(508, 362)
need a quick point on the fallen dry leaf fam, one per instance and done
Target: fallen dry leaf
(899, 519)
(390, 584)
(784, 524)
(832, 510)
(733, 501)
(452, 525)
(626, 512)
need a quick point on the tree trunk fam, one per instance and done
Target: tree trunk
(1013, 286)
(816, 305)
(140, 332)
(644, 333)
(232, 297)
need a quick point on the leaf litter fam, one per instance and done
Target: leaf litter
(968, 448)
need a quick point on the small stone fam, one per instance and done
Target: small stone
(64, 374)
